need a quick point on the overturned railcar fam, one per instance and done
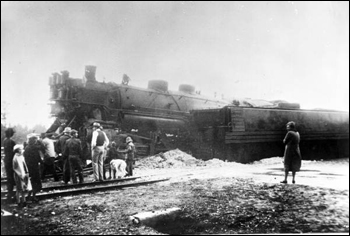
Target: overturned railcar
(159, 119)
(245, 134)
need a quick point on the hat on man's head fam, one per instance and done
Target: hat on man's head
(128, 140)
(291, 124)
(32, 138)
(73, 132)
(96, 125)
(33, 135)
(9, 132)
(67, 130)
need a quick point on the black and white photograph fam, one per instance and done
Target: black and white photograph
(174, 117)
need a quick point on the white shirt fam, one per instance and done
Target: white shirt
(94, 138)
(49, 147)
(19, 165)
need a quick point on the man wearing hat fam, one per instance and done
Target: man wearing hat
(60, 147)
(49, 157)
(98, 144)
(33, 160)
(75, 155)
(130, 151)
(9, 143)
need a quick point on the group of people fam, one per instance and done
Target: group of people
(70, 148)
(100, 155)
(27, 166)
(23, 167)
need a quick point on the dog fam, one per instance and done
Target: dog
(118, 168)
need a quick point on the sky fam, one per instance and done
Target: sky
(293, 51)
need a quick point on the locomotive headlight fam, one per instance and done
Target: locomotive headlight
(57, 108)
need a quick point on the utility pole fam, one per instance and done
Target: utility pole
(4, 106)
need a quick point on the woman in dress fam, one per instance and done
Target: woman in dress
(21, 176)
(292, 155)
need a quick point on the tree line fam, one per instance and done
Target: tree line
(21, 132)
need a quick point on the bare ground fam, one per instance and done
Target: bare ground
(215, 197)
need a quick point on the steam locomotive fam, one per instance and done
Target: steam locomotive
(159, 119)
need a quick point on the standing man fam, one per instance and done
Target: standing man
(33, 160)
(75, 155)
(292, 155)
(98, 143)
(49, 157)
(130, 151)
(60, 147)
(9, 143)
(104, 157)
(126, 79)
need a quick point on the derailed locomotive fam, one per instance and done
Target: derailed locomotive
(159, 119)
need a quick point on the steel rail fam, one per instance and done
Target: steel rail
(75, 186)
(71, 192)
(60, 174)
(86, 170)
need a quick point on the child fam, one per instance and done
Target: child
(21, 176)
(130, 151)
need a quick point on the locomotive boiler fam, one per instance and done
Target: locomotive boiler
(154, 117)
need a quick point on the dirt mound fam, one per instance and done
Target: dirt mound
(269, 161)
(174, 159)
(217, 163)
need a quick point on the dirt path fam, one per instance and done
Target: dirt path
(215, 197)
(326, 174)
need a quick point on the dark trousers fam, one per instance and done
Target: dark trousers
(66, 170)
(10, 181)
(49, 167)
(129, 167)
(75, 164)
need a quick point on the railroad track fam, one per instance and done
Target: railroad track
(75, 186)
(86, 171)
(89, 187)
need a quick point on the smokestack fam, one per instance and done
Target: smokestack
(90, 72)
(65, 75)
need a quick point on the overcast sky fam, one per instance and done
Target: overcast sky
(293, 51)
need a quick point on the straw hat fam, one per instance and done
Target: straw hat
(128, 140)
(67, 130)
(96, 125)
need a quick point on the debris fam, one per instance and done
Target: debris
(151, 218)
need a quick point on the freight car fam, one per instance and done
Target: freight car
(245, 134)
(159, 119)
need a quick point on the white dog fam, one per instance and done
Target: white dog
(118, 168)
